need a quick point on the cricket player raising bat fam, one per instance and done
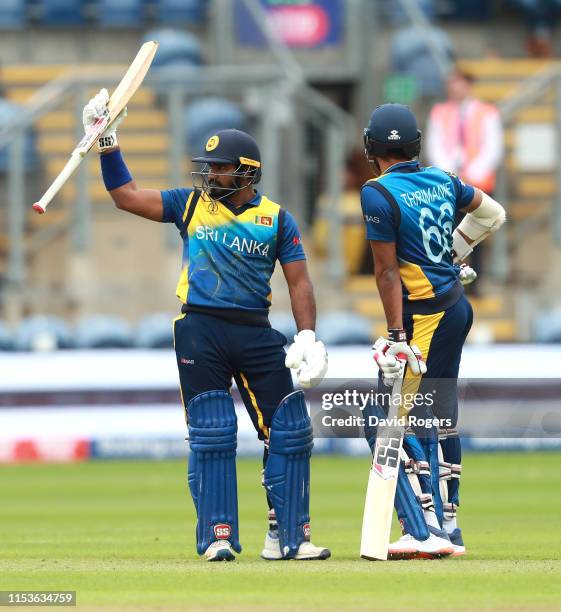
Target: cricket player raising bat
(232, 236)
(409, 213)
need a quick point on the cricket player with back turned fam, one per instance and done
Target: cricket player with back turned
(409, 213)
(232, 236)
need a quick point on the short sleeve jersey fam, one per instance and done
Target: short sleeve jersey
(229, 253)
(415, 207)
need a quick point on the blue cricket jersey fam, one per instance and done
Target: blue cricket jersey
(229, 253)
(415, 207)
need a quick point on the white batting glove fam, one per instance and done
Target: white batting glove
(466, 274)
(386, 353)
(96, 109)
(308, 357)
(390, 366)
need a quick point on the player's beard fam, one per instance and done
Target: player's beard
(218, 193)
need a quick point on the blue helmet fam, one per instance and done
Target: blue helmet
(229, 147)
(392, 126)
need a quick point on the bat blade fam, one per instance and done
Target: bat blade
(382, 481)
(124, 91)
(380, 495)
(132, 80)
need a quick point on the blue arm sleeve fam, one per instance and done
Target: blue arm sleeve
(174, 202)
(378, 215)
(290, 247)
(464, 193)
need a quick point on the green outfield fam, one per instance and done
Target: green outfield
(121, 534)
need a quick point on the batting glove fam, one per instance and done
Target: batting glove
(386, 351)
(466, 274)
(96, 109)
(308, 357)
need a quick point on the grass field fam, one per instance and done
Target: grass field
(121, 534)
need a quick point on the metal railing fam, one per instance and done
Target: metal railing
(526, 95)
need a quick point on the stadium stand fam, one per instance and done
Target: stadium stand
(205, 116)
(344, 328)
(467, 10)
(496, 78)
(100, 331)
(410, 55)
(491, 312)
(154, 332)
(120, 13)
(61, 12)
(547, 326)
(181, 12)
(12, 14)
(176, 48)
(145, 134)
(6, 340)
(393, 12)
(8, 111)
(42, 333)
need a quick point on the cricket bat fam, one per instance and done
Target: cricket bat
(382, 481)
(119, 99)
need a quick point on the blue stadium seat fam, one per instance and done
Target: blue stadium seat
(393, 12)
(473, 10)
(99, 331)
(42, 333)
(547, 326)
(175, 48)
(410, 55)
(538, 13)
(205, 116)
(155, 332)
(12, 14)
(285, 324)
(61, 12)
(344, 328)
(178, 60)
(120, 13)
(181, 12)
(6, 340)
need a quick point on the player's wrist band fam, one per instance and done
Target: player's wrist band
(397, 335)
(114, 170)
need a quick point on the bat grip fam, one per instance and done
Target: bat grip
(71, 165)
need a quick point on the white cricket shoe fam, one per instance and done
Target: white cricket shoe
(457, 542)
(404, 548)
(407, 547)
(459, 551)
(221, 550)
(306, 551)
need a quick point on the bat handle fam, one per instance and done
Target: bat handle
(71, 165)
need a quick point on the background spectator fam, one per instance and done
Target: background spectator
(465, 136)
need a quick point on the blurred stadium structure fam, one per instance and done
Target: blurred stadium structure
(302, 76)
(305, 94)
